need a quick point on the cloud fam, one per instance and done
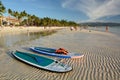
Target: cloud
(94, 9)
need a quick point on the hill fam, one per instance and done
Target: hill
(100, 24)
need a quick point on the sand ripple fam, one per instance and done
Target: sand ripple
(101, 60)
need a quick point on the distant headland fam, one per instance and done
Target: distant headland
(100, 24)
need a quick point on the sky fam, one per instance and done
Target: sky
(70, 10)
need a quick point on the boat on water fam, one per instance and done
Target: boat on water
(52, 52)
(42, 62)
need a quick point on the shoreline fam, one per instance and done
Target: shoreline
(22, 29)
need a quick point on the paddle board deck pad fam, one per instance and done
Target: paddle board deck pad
(42, 62)
(51, 52)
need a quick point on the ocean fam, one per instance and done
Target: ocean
(115, 30)
(112, 29)
(12, 39)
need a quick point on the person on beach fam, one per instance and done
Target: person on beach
(106, 28)
(45, 27)
(71, 28)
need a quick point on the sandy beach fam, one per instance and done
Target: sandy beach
(22, 29)
(101, 59)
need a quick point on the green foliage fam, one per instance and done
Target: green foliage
(33, 20)
(2, 8)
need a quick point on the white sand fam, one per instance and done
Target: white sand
(22, 29)
(101, 60)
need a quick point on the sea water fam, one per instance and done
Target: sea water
(112, 29)
(7, 40)
(115, 30)
(10, 39)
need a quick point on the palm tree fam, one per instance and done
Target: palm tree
(64, 22)
(2, 10)
(23, 15)
(10, 12)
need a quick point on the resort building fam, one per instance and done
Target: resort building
(9, 20)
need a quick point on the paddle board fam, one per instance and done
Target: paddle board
(42, 62)
(51, 52)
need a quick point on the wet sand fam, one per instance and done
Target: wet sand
(101, 60)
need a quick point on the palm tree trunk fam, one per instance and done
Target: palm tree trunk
(1, 22)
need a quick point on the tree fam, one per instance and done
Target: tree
(10, 11)
(2, 10)
(23, 15)
(63, 22)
